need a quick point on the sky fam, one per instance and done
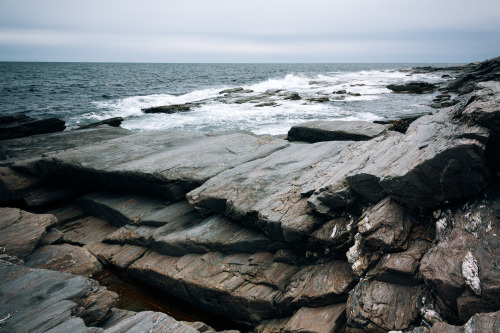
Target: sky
(251, 31)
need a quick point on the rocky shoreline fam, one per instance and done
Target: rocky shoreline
(342, 227)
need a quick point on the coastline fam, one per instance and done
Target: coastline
(367, 229)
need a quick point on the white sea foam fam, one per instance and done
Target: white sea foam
(215, 114)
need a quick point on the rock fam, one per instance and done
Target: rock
(122, 209)
(482, 322)
(332, 237)
(53, 236)
(38, 145)
(461, 269)
(64, 258)
(116, 255)
(328, 319)
(488, 70)
(385, 226)
(319, 99)
(166, 163)
(20, 231)
(149, 321)
(240, 286)
(292, 97)
(132, 234)
(340, 92)
(113, 122)
(316, 131)
(216, 233)
(482, 106)
(29, 126)
(398, 125)
(169, 109)
(37, 300)
(67, 213)
(401, 267)
(258, 97)
(86, 231)
(413, 87)
(266, 104)
(380, 307)
(320, 285)
(14, 184)
(266, 193)
(231, 90)
(354, 94)
(48, 194)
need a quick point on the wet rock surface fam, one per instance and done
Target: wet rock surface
(395, 233)
(21, 125)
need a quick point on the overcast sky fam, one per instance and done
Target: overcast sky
(250, 30)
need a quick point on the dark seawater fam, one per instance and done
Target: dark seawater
(81, 93)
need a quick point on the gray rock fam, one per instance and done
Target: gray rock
(86, 231)
(121, 209)
(20, 231)
(132, 234)
(216, 233)
(64, 258)
(169, 109)
(316, 131)
(148, 321)
(169, 163)
(37, 300)
(53, 236)
(113, 122)
(67, 213)
(116, 255)
(37, 145)
(413, 87)
(14, 184)
(488, 70)
(30, 126)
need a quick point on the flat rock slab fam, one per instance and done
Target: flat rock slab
(20, 231)
(267, 193)
(37, 300)
(37, 145)
(328, 319)
(381, 307)
(316, 131)
(122, 209)
(149, 321)
(116, 255)
(86, 231)
(64, 258)
(240, 286)
(216, 233)
(168, 163)
(482, 322)
(14, 184)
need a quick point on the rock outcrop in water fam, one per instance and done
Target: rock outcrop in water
(398, 232)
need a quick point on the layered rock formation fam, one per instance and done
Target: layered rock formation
(398, 232)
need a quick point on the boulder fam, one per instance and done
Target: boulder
(292, 96)
(64, 258)
(322, 99)
(166, 163)
(113, 122)
(380, 306)
(316, 131)
(169, 109)
(20, 231)
(413, 87)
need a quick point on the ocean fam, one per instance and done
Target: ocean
(82, 93)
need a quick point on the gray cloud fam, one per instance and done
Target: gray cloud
(253, 31)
